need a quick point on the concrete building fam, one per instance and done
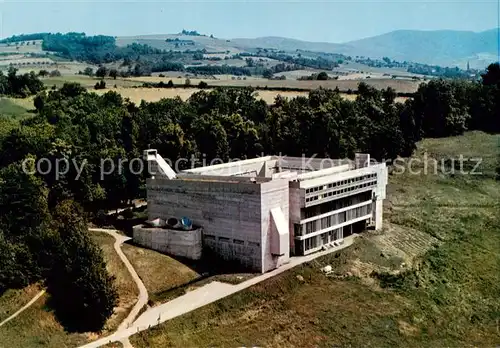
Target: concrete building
(262, 211)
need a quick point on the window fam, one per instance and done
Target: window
(238, 241)
(223, 239)
(209, 237)
(310, 227)
(325, 223)
(311, 243)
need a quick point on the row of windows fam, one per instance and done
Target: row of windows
(341, 191)
(325, 238)
(228, 240)
(332, 220)
(341, 183)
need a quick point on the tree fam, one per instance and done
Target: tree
(492, 75)
(88, 71)
(101, 72)
(24, 225)
(113, 73)
(100, 85)
(55, 73)
(79, 269)
(211, 138)
(322, 76)
(43, 73)
(441, 108)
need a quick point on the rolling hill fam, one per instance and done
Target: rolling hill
(443, 47)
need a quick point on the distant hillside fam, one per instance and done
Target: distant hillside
(285, 44)
(445, 47)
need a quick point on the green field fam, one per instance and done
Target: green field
(449, 296)
(11, 108)
(88, 82)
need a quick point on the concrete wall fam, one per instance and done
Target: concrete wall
(179, 243)
(294, 210)
(274, 194)
(230, 214)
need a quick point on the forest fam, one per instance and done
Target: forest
(43, 221)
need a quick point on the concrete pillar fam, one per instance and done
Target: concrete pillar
(361, 160)
(378, 213)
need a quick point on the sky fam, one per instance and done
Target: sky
(326, 21)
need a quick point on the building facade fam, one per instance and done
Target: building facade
(260, 212)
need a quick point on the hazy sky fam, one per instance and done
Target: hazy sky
(327, 20)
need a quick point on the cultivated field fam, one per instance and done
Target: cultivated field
(136, 95)
(22, 47)
(401, 86)
(430, 278)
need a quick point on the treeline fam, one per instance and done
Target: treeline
(22, 86)
(316, 63)
(219, 70)
(278, 68)
(24, 37)
(434, 70)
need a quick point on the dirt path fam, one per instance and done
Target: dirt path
(200, 297)
(26, 306)
(143, 293)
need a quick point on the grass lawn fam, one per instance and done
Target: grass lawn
(12, 108)
(448, 297)
(158, 272)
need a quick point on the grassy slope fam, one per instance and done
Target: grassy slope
(38, 327)
(127, 289)
(450, 298)
(159, 272)
(11, 108)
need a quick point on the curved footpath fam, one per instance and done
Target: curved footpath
(143, 293)
(192, 300)
(26, 306)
